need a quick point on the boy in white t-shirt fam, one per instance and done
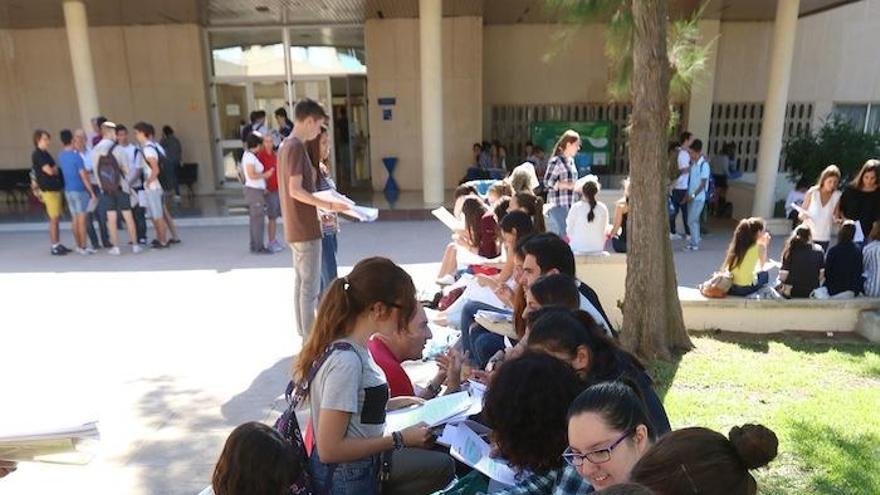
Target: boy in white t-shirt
(149, 161)
(698, 183)
(680, 186)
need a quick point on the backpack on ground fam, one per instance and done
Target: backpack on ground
(163, 167)
(288, 425)
(110, 176)
(717, 286)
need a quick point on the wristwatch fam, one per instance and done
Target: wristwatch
(433, 388)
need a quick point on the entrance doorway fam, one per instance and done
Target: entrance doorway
(352, 133)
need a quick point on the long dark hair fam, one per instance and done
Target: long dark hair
(372, 280)
(872, 165)
(590, 190)
(744, 237)
(617, 403)
(473, 210)
(556, 289)
(534, 206)
(801, 237)
(313, 148)
(518, 221)
(256, 460)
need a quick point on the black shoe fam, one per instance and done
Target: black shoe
(142, 242)
(262, 250)
(58, 251)
(158, 245)
(65, 248)
(174, 241)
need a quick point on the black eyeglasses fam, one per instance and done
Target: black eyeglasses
(599, 456)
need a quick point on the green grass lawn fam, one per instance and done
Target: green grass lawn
(821, 397)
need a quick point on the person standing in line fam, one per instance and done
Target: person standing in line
(860, 200)
(77, 190)
(285, 126)
(174, 157)
(319, 153)
(255, 176)
(680, 186)
(698, 181)
(149, 155)
(135, 179)
(560, 181)
(111, 166)
(297, 183)
(81, 143)
(51, 184)
(266, 155)
(820, 204)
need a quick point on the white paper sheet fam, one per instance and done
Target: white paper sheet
(65, 445)
(469, 448)
(433, 412)
(447, 218)
(360, 213)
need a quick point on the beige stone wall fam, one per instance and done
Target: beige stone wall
(392, 47)
(150, 73)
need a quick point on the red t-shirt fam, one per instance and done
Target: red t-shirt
(398, 380)
(269, 161)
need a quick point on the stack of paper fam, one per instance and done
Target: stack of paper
(360, 213)
(68, 445)
(468, 447)
(433, 412)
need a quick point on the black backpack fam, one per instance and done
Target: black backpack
(109, 174)
(163, 167)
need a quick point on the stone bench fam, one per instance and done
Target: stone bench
(606, 274)
(738, 314)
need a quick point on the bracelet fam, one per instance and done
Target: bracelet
(434, 389)
(397, 439)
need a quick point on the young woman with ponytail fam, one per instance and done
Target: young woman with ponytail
(348, 396)
(587, 222)
(533, 206)
(803, 264)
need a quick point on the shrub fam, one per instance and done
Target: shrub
(836, 142)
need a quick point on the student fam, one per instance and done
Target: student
(532, 205)
(843, 265)
(820, 204)
(721, 165)
(680, 186)
(544, 254)
(698, 181)
(460, 194)
(746, 257)
(174, 157)
(407, 344)
(297, 183)
(100, 238)
(266, 155)
(523, 179)
(77, 190)
(255, 175)
(803, 264)
(255, 459)
(149, 158)
(587, 222)
(557, 290)
(573, 337)
(621, 213)
(51, 184)
(112, 167)
(560, 181)
(860, 200)
(349, 394)
(319, 153)
(135, 180)
(699, 460)
(796, 198)
(498, 190)
(479, 237)
(608, 432)
(871, 261)
(526, 407)
(285, 126)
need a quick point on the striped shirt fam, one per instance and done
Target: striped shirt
(871, 257)
(560, 169)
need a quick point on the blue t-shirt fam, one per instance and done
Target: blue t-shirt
(71, 163)
(699, 171)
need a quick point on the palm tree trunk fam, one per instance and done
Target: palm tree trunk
(652, 319)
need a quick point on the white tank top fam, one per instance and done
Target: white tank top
(822, 216)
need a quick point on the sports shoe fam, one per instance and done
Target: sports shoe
(447, 279)
(57, 251)
(173, 241)
(91, 250)
(65, 248)
(262, 250)
(276, 246)
(114, 251)
(158, 245)
(691, 247)
(674, 237)
(136, 249)
(81, 251)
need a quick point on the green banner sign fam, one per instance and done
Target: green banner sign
(595, 141)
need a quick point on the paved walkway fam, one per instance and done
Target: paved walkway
(171, 349)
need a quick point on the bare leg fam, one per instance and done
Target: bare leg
(166, 215)
(159, 224)
(79, 230)
(111, 227)
(54, 236)
(449, 263)
(129, 226)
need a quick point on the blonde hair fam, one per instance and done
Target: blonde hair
(830, 171)
(568, 137)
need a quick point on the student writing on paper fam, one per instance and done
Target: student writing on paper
(349, 393)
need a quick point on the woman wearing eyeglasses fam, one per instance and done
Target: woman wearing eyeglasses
(608, 432)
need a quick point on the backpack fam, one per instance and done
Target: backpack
(288, 425)
(163, 167)
(109, 174)
(717, 285)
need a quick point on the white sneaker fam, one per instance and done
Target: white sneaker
(447, 279)
(275, 246)
(114, 251)
(136, 249)
(81, 251)
(91, 250)
(674, 237)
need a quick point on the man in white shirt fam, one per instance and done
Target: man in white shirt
(698, 184)
(116, 197)
(135, 179)
(149, 156)
(81, 144)
(680, 186)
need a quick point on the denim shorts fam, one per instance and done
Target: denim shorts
(77, 202)
(359, 477)
(154, 203)
(273, 205)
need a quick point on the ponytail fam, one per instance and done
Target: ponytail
(590, 190)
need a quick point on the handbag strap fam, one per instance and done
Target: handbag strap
(296, 392)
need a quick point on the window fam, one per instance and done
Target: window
(258, 52)
(864, 116)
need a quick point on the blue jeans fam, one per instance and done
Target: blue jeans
(676, 198)
(468, 313)
(351, 478)
(555, 220)
(484, 344)
(745, 290)
(329, 271)
(99, 215)
(694, 212)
